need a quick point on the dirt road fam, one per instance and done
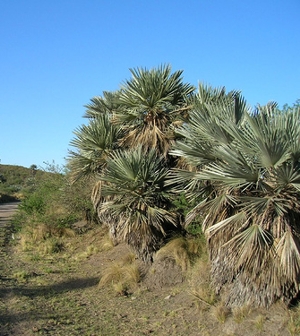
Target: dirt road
(6, 212)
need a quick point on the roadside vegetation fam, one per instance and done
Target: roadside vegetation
(172, 188)
(16, 181)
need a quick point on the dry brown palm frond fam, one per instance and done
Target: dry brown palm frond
(149, 137)
(288, 252)
(250, 249)
(96, 194)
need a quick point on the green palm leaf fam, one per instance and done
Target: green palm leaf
(94, 143)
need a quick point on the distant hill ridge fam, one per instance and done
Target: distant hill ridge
(14, 179)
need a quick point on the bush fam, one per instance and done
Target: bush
(54, 202)
(33, 204)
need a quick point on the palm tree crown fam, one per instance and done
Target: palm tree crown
(151, 103)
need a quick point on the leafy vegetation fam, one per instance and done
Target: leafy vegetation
(232, 169)
(52, 203)
(15, 181)
(137, 200)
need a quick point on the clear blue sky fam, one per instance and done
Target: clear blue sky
(56, 55)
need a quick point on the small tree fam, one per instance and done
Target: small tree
(137, 199)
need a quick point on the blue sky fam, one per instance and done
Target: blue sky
(56, 55)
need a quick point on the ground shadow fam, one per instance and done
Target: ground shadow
(8, 319)
(61, 287)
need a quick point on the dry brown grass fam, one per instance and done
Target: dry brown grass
(199, 284)
(51, 245)
(293, 323)
(42, 232)
(240, 313)
(183, 250)
(170, 310)
(259, 322)
(106, 243)
(220, 312)
(122, 276)
(44, 239)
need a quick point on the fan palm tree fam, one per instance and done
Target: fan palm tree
(137, 198)
(152, 103)
(248, 174)
(144, 112)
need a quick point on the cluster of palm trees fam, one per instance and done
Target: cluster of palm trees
(157, 138)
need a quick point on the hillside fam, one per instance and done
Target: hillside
(15, 180)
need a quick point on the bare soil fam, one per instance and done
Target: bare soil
(58, 294)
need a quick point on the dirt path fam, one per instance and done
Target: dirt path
(6, 212)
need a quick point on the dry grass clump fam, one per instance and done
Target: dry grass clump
(21, 275)
(122, 275)
(96, 240)
(51, 245)
(259, 322)
(220, 312)
(88, 252)
(44, 238)
(42, 232)
(240, 313)
(293, 323)
(183, 250)
(200, 285)
(106, 243)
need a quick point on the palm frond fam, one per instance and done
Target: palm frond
(94, 143)
(107, 104)
(251, 163)
(251, 248)
(238, 220)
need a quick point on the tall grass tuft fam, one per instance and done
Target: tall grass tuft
(122, 275)
(183, 250)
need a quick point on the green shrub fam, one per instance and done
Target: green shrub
(33, 204)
